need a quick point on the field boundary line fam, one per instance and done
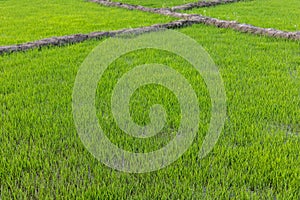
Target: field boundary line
(186, 20)
(162, 11)
(77, 38)
(241, 27)
(187, 6)
(200, 4)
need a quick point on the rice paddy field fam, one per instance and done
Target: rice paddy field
(256, 156)
(266, 13)
(25, 21)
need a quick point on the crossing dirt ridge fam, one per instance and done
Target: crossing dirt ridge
(185, 20)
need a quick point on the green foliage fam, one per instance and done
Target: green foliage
(268, 13)
(29, 20)
(256, 157)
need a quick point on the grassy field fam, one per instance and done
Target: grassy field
(267, 13)
(257, 155)
(24, 21)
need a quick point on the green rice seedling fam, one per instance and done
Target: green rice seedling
(267, 14)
